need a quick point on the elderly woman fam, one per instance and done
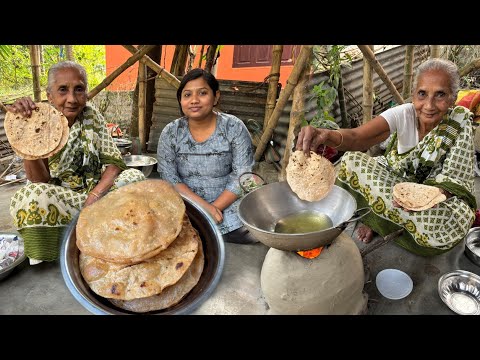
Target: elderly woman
(204, 152)
(431, 144)
(87, 167)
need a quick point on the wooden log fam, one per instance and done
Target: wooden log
(467, 69)
(381, 72)
(283, 99)
(171, 79)
(130, 61)
(141, 105)
(35, 61)
(296, 116)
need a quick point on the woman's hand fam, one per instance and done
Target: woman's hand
(310, 138)
(24, 105)
(215, 212)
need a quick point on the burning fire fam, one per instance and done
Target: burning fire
(310, 254)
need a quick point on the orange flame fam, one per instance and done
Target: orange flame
(310, 254)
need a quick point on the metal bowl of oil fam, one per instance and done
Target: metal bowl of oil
(278, 218)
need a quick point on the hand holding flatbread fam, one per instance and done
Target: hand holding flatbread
(417, 197)
(311, 178)
(38, 136)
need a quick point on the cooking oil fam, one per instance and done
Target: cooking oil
(303, 222)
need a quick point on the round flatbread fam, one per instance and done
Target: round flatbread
(417, 197)
(171, 295)
(311, 178)
(132, 223)
(37, 135)
(150, 277)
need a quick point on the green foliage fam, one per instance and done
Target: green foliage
(15, 68)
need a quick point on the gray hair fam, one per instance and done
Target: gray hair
(447, 67)
(52, 72)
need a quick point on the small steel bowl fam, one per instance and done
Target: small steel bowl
(460, 291)
(143, 163)
(214, 252)
(20, 257)
(472, 245)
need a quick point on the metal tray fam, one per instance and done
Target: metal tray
(472, 245)
(460, 291)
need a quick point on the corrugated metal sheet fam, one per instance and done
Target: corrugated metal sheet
(245, 99)
(392, 62)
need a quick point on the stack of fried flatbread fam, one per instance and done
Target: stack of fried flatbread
(138, 248)
(39, 136)
(417, 197)
(311, 178)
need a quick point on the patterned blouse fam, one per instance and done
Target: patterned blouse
(208, 167)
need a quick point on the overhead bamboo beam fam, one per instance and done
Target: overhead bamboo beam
(296, 115)
(141, 105)
(381, 72)
(367, 98)
(283, 99)
(130, 61)
(273, 82)
(35, 62)
(168, 77)
(408, 72)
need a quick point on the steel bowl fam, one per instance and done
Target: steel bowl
(123, 145)
(9, 263)
(472, 245)
(261, 209)
(214, 253)
(460, 291)
(143, 163)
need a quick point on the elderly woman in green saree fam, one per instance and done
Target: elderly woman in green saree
(88, 166)
(431, 143)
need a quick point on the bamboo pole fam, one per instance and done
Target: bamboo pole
(141, 105)
(381, 72)
(69, 51)
(434, 51)
(168, 77)
(35, 61)
(273, 83)
(296, 116)
(408, 72)
(130, 61)
(367, 98)
(283, 99)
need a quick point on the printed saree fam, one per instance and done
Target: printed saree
(443, 158)
(41, 211)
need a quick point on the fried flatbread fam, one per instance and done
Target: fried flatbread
(171, 295)
(39, 135)
(310, 178)
(417, 197)
(132, 223)
(150, 277)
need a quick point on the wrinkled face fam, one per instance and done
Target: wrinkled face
(68, 93)
(197, 99)
(432, 97)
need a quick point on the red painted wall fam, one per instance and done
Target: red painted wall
(116, 55)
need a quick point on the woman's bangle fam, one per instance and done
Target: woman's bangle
(95, 194)
(341, 141)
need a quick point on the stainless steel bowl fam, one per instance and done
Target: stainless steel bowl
(460, 290)
(123, 145)
(214, 252)
(261, 209)
(143, 163)
(6, 270)
(472, 245)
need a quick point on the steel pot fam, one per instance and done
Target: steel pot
(261, 209)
